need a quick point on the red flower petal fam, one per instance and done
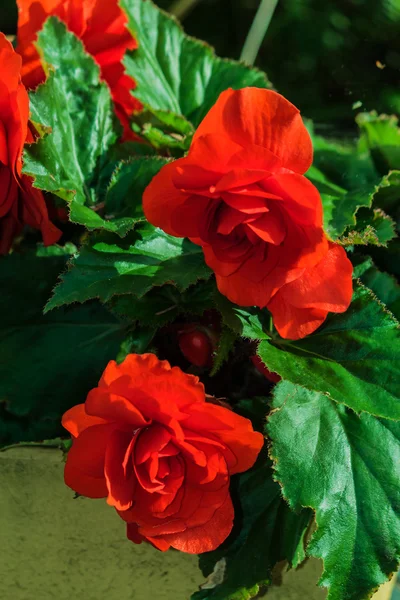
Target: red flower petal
(253, 116)
(207, 537)
(120, 481)
(76, 420)
(84, 469)
(302, 305)
(111, 407)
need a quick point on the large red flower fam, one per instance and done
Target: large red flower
(101, 25)
(240, 193)
(20, 203)
(147, 440)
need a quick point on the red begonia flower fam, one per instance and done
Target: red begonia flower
(20, 203)
(147, 440)
(101, 25)
(240, 193)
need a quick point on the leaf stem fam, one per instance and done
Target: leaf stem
(181, 8)
(257, 31)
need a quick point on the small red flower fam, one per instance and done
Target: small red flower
(147, 440)
(240, 193)
(101, 25)
(20, 203)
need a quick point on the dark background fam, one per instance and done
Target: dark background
(321, 54)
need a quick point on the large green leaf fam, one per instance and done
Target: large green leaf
(47, 363)
(267, 531)
(76, 111)
(175, 72)
(353, 358)
(107, 266)
(346, 468)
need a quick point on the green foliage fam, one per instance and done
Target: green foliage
(349, 476)
(76, 111)
(269, 532)
(251, 323)
(162, 305)
(225, 346)
(186, 77)
(382, 284)
(47, 363)
(380, 136)
(107, 266)
(164, 130)
(375, 229)
(137, 342)
(353, 357)
(129, 180)
(352, 194)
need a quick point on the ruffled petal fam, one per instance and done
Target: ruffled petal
(120, 479)
(253, 116)
(114, 408)
(76, 420)
(84, 469)
(302, 305)
(300, 199)
(161, 198)
(206, 537)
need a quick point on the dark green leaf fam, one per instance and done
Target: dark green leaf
(350, 187)
(147, 257)
(164, 304)
(382, 284)
(380, 135)
(47, 363)
(354, 357)
(373, 228)
(252, 323)
(130, 179)
(177, 73)
(226, 342)
(266, 532)
(346, 468)
(137, 342)
(76, 110)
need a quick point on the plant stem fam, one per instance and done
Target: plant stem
(257, 31)
(181, 8)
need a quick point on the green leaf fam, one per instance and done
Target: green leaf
(175, 72)
(353, 357)
(147, 257)
(164, 304)
(345, 467)
(62, 444)
(130, 179)
(47, 363)
(225, 346)
(382, 284)
(164, 130)
(266, 533)
(350, 187)
(373, 228)
(251, 323)
(76, 109)
(137, 342)
(380, 135)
